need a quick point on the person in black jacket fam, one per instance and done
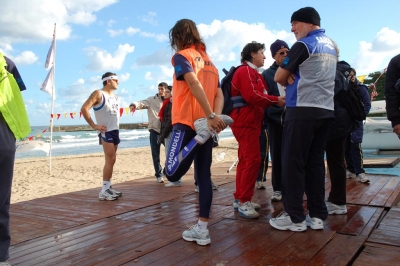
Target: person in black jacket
(353, 154)
(336, 146)
(276, 116)
(392, 93)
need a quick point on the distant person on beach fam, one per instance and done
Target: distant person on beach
(354, 154)
(106, 112)
(153, 105)
(276, 116)
(14, 124)
(308, 72)
(197, 105)
(392, 93)
(248, 84)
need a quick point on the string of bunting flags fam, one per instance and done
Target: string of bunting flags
(122, 110)
(374, 93)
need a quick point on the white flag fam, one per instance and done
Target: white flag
(48, 84)
(50, 56)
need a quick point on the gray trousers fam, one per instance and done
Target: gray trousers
(7, 157)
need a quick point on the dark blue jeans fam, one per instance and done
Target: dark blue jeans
(7, 156)
(354, 156)
(155, 152)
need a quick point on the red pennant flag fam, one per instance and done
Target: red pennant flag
(44, 130)
(51, 115)
(121, 111)
(133, 110)
(30, 138)
(80, 114)
(58, 116)
(71, 115)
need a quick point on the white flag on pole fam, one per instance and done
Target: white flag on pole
(50, 56)
(48, 84)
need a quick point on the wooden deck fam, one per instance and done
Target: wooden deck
(144, 227)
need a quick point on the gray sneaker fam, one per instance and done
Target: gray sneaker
(174, 184)
(196, 189)
(314, 223)
(335, 209)
(283, 222)
(260, 185)
(160, 180)
(193, 235)
(236, 205)
(247, 210)
(115, 192)
(350, 174)
(362, 178)
(277, 196)
(107, 195)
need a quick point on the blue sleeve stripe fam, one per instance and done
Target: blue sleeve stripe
(101, 106)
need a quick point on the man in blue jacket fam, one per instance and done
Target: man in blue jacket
(354, 156)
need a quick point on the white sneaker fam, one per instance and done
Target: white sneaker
(314, 223)
(362, 178)
(107, 195)
(350, 174)
(201, 125)
(283, 222)
(260, 185)
(174, 184)
(193, 235)
(236, 205)
(160, 180)
(196, 189)
(247, 210)
(277, 196)
(335, 209)
(115, 192)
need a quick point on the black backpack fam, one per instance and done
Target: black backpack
(230, 102)
(348, 97)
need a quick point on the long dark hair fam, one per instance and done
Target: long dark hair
(185, 34)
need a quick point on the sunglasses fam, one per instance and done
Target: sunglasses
(283, 52)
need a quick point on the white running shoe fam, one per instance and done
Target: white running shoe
(107, 195)
(192, 234)
(160, 179)
(277, 196)
(283, 222)
(260, 185)
(174, 184)
(314, 223)
(247, 210)
(115, 192)
(236, 205)
(362, 178)
(350, 174)
(335, 209)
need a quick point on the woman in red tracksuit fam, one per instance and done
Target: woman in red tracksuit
(248, 83)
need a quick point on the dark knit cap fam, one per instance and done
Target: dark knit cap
(278, 44)
(307, 15)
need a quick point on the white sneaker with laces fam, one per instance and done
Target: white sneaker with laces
(277, 196)
(362, 178)
(160, 179)
(335, 209)
(247, 210)
(192, 234)
(107, 195)
(236, 205)
(174, 184)
(350, 174)
(115, 192)
(314, 223)
(260, 185)
(283, 222)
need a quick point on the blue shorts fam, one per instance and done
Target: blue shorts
(110, 137)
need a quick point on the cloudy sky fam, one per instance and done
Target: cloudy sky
(131, 39)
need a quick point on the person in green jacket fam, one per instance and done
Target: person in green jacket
(14, 124)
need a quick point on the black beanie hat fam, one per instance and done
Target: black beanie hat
(307, 15)
(278, 44)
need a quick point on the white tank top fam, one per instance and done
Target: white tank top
(107, 112)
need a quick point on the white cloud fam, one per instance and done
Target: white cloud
(131, 31)
(123, 77)
(25, 58)
(159, 57)
(110, 23)
(114, 33)
(44, 13)
(101, 60)
(157, 37)
(148, 76)
(223, 43)
(150, 18)
(373, 54)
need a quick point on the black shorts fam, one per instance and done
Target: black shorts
(110, 137)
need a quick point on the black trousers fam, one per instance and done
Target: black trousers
(303, 167)
(335, 150)
(275, 147)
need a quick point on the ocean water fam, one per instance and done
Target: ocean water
(86, 142)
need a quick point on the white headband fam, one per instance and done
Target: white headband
(110, 77)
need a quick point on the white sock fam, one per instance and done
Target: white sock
(202, 226)
(106, 185)
(201, 139)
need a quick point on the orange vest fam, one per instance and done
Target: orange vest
(185, 108)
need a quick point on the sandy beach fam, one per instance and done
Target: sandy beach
(33, 179)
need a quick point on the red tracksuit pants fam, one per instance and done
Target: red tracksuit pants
(249, 161)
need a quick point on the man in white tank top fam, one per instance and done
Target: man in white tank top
(106, 111)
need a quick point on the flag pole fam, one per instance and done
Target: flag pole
(53, 93)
